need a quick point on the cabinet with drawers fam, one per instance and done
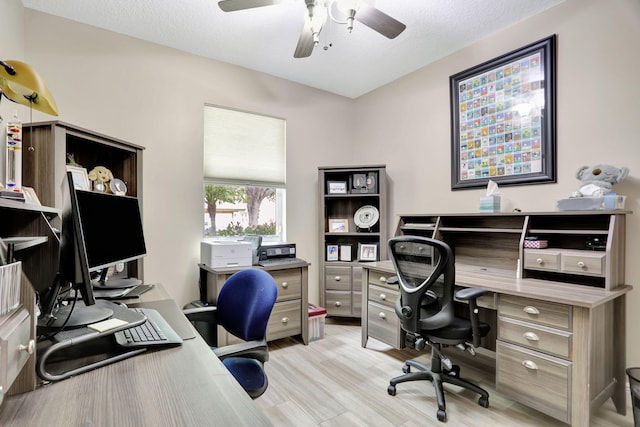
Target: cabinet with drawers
(23, 221)
(290, 313)
(534, 353)
(353, 227)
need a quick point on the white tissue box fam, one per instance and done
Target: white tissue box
(490, 204)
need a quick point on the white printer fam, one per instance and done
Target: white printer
(222, 253)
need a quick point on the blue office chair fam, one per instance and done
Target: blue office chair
(243, 308)
(426, 276)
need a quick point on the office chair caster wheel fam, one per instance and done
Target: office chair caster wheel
(391, 390)
(406, 369)
(442, 415)
(483, 401)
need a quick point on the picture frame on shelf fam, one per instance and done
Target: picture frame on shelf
(337, 187)
(345, 252)
(503, 113)
(339, 225)
(332, 253)
(80, 177)
(367, 251)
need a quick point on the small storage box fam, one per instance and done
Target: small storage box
(536, 244)
(490, 204)
(317, 317)
(10, 276)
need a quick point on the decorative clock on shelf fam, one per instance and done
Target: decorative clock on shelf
(366, 217)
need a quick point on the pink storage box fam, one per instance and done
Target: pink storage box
(535, 244)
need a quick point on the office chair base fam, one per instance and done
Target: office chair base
(437, 379)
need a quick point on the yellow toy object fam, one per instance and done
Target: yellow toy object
(100, 177)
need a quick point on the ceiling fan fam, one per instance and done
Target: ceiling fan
(318, 11)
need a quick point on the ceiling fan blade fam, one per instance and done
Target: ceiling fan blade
(233, 5)
(379, 21)
(305, 42)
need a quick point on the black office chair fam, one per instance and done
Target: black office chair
(426, 276)
(243, 308)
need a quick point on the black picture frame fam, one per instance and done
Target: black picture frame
(503, 119)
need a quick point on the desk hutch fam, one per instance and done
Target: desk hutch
(557, 313)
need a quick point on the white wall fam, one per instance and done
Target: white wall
(153, 96)
(407, 123)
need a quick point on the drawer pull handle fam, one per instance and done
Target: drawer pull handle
(337, 278)
(420, 249)
(531, 336)
(581, 264)
(383, 279)
(530, 364)
(29, 348)
(382, 315)
(383, 297)
(531, 310)
(285, 320)
(285, 285)
(539, 260)
(338, 304)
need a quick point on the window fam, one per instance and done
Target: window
(244, 174)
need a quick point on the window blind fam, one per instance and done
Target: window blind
(241, 147)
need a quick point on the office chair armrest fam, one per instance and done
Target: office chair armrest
(205, 321)
(470, 295)
(467, 294)
(251, 349)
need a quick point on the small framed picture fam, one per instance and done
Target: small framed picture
(332, 252)
(339, 225)
(345, 252)
(80, 177)
(337, 187)
(367, 252)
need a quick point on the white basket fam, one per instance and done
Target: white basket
(10, 276)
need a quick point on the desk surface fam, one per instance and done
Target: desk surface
(180, 386)
(561, 292)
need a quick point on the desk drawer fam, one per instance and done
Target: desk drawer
(338, 303)
(415, 248)
(379, 278)
(537, 311)
(285, 320)
(534, 379)
(548, 340)
(14, 332)
(383, 323)
(542, 259)
(338, 278)
(383, 296)
(588, 263)
(289, 283)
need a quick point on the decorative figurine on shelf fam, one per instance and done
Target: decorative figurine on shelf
(100, 177)
(598, 180)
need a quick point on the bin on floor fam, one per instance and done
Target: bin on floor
(634, 385)
(317, 316)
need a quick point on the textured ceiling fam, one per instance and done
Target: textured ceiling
(264, 39)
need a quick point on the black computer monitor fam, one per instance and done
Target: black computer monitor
(98, 231)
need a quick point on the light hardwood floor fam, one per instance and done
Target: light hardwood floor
(336, 382)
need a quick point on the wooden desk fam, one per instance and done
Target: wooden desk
(290, 315)
(586, 369)
(181, 386)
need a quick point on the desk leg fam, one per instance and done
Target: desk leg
(365, 307)
(620, 355)
(580, 397)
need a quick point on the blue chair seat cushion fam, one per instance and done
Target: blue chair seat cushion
(248, 372)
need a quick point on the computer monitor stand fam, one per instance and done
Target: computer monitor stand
(80, 316)
(104, 282)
